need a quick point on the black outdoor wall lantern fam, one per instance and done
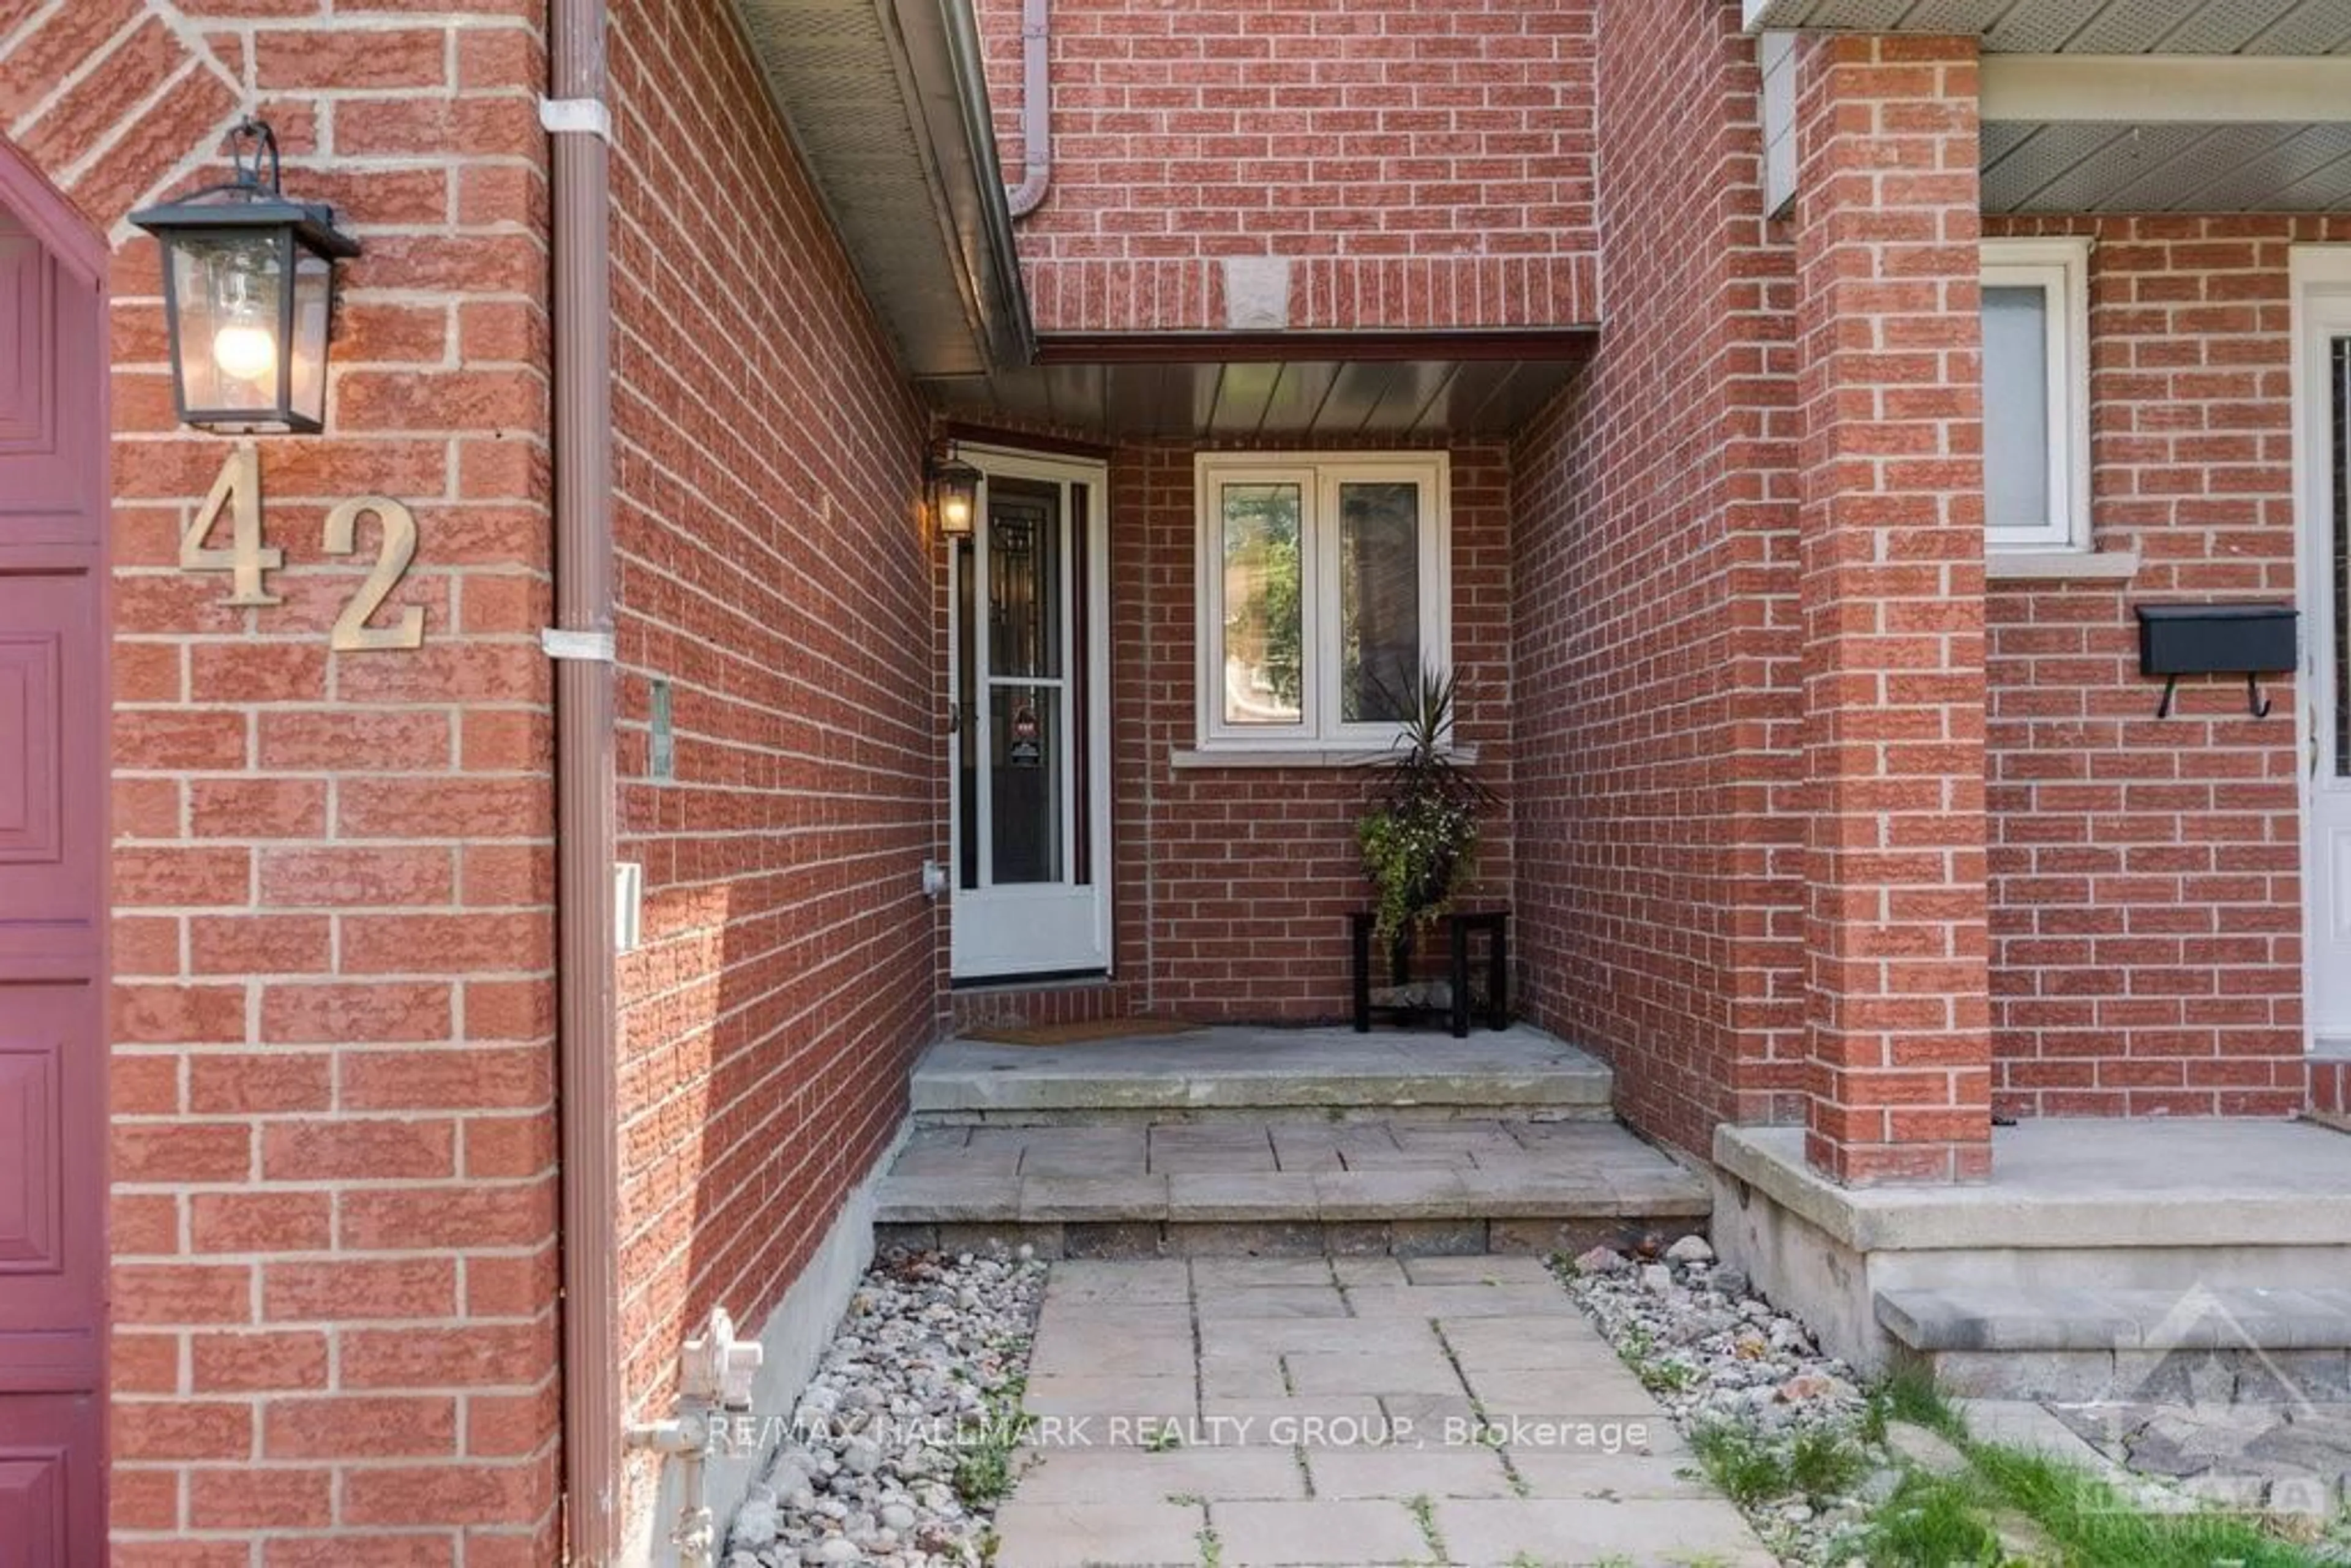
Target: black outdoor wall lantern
(2248, 640)
(954, 491)
(248, 295)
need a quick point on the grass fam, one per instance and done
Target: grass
(1824, 1465)
(984, 1472)
(1909, 1395)
(1952, 1520)
(1745, 1465)
(1754, 1468)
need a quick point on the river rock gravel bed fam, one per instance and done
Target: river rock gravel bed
(1795, 1422)
(884, 1462)
(1718, 1356)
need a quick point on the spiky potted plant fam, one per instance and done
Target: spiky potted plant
(1420, 838)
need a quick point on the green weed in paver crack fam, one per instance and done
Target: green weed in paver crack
(1490, 1432)
(1423, 1513)
(1164, 1439)
(1212, 1548)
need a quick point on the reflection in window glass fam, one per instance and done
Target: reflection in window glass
(2016, 408)
(1379, 601)
(1262, 625)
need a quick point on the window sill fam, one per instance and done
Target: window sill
(1182, 757)
(2061, 565)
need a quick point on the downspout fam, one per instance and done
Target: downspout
(579, 123)
(1036, 108)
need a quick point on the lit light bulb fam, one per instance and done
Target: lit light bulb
(244, 352)
(958, 513)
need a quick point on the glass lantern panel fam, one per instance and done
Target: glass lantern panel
(227, 286)
(314, 285)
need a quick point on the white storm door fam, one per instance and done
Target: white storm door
(2322, 377)
(1027, 611)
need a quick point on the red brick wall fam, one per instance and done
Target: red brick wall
(2147, 927)
(1889, 358)
(334, 1199)
(1654, 618)
(774, 569)
(1423, 163)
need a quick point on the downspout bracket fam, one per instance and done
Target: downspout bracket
(576, 117)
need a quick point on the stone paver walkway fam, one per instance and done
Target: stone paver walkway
(1345, 1412)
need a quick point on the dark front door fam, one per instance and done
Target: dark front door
(53, 895)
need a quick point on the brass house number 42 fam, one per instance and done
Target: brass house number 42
(237, 494)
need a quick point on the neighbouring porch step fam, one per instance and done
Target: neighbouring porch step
(2248, 1343)
(1234, 1074)
(1287, 1187)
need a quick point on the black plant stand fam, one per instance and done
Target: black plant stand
(1459, 925)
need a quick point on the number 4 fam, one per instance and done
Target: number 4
(237, 491)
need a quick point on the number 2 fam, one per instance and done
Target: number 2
(352, 633)
(238, 492)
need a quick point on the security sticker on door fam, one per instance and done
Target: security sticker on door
(1027, 749)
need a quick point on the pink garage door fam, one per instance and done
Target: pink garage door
(52, 706)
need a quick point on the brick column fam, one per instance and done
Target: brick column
(1893, 597)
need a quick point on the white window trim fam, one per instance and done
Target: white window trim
(1318, 476)
(2059, 267)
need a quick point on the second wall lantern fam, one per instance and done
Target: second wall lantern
(248, 295)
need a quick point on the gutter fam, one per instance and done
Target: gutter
(1006, 329)
(578, 123)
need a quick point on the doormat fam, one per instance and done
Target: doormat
(1076, 1033)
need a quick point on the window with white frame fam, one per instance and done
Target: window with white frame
(2036, 394)
(1323, 588)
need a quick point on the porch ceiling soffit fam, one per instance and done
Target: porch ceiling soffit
(1317, 387)
(2106, 133)
(885, 100)
(2138, 106)
(2085, 26)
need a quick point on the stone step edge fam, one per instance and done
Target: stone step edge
(1309, 1096)
(1222, 1200)
(1191, 1116)
(1128, 1239)
(2009, 1318)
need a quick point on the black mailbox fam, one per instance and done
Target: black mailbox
(2248, 640)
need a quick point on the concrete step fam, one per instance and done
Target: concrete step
(1287, 1187)
(1254, 1074)
(2241, 1343)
